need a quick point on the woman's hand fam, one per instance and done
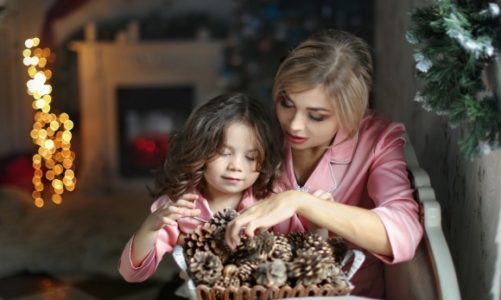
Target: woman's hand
(261, 216)
(360, 226)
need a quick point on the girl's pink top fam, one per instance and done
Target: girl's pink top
(369, 171)
(167, 238)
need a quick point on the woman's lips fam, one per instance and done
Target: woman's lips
(295, 139)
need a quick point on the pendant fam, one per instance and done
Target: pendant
(303, 189)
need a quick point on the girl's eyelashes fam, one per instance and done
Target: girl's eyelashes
(228, 152)
(251, 157)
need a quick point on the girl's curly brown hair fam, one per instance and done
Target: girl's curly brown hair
(202, 138)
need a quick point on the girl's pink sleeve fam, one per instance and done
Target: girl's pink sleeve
(389, 186)
(166, 240)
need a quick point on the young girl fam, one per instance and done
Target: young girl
(336, 144)
(227, 155)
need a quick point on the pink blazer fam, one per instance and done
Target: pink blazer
(369, 171)
(168, 237)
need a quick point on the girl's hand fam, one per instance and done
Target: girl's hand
(170, 212)
(261, 216)
(146, 235)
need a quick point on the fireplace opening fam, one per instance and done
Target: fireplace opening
(147, 117)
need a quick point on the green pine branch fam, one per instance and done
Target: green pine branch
(454, 43)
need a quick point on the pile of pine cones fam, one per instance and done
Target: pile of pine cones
(268, 259)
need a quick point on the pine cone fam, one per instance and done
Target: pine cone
(218, 245)
(230, 277)
(210, 236)
(271, 273)
(222, 218)
(308, 267)
(199, 239)
(339, 247)
(205, 267)
(342, 285)
(320, 246)
(216, 242)
(245, 270)
(282, 249)
(259, 247)
(296, 240)
(333, 273)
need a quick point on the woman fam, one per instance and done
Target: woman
(335, 144)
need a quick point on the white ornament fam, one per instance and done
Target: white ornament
(484, 148)
(411, 38)
(419, 98)
(423, 64)
(492, 11)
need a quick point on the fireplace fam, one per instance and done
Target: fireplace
(127, 85)
(147, 117)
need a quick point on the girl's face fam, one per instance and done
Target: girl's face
(307, 119)
(234, 169)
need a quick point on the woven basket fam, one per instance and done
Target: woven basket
(259, 292)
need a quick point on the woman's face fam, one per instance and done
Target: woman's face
(307, 119)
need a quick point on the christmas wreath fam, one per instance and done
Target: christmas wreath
(455, 41)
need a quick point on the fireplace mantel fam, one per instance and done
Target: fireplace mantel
(105, 66)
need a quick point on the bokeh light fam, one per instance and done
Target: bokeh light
(54, 159)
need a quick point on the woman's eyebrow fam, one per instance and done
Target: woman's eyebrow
(319, 109)
(316, 109)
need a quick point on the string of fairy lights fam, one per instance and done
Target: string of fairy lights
(54, 161)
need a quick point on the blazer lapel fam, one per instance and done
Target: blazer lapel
(340, 156)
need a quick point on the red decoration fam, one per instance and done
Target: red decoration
(17, 170)
(149, 151)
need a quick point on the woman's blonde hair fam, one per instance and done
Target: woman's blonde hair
(339, 62)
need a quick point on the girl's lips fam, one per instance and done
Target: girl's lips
(295, 139)
(231, 179)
